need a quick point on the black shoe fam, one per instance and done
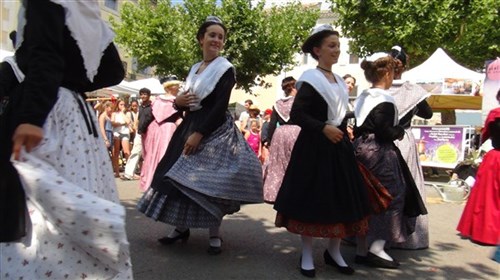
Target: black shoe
(184, 236)
(311, 273)
(342, 269)
(376, 261)
(214, 250)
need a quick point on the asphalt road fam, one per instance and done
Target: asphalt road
(254, 248)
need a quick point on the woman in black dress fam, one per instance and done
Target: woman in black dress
(375, 132)
(55, 172)
(322, 194)
(208, 169)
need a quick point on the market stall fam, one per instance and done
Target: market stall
(451, 85)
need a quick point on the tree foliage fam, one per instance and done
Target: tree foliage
(468, 30)
(260, 41)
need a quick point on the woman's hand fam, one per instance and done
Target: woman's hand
(26, 135)
(192, 143)
(186, 100)
(333, 133)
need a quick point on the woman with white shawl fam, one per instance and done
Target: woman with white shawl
(323, 194)
(208, 169)
(64, 220)
(375, 131)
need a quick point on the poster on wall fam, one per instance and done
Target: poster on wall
(440, 146)
(460, 86)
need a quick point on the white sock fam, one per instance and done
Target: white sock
(334, 251)
(377, 248)
(361, 246)
(307, 253)
(177, 231)
(214, 232)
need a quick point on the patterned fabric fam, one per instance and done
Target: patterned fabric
(380, 198)
(279, 156)
(77, 223)
(420, 238)
(407, 96)
(381, 159)
(284, 106)
(188, 209)
(340, 230)
(223, 167)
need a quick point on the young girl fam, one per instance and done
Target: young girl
(253, 137)
(323, 193)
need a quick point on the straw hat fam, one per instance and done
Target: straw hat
(170, 81)
(254, 108)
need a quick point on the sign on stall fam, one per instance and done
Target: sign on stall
(441, 146)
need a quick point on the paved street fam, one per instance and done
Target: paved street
(254, 248)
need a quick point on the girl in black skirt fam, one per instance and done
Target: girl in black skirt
(322, 194)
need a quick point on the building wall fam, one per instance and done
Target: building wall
(8, 22)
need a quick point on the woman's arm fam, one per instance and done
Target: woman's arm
(102, 129)
(40, 57)
(424, 110)
(383, 119)
(303, 104)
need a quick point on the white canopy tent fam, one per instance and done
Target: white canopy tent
(152, 84)
(132, 88)
(438, 67)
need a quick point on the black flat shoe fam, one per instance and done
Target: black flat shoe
(376, 261)
(342, 269)
(311, 273)
(184, 236)
(214, 250)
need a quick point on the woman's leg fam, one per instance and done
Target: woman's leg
(126, 148)
(334, 251)
(307, 262)
(115, 155)
(214, 236)
(377, 248)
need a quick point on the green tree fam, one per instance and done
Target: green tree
(259, 42)
(468, 30)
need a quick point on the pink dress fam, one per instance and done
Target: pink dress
(280, 150)
(254, 142)
(155, 140)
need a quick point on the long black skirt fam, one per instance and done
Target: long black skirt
(322, 183)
